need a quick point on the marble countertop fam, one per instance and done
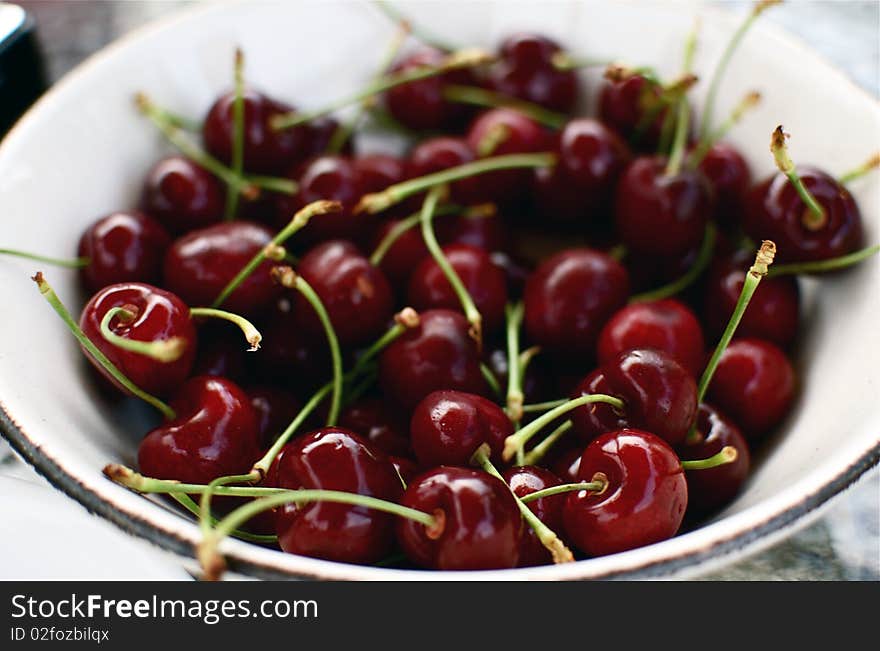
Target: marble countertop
(845, 543)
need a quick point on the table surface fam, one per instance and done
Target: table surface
(845, 543)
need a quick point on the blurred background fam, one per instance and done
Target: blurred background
(843, 545)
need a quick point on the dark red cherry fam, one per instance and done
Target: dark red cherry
(713, 488)
(182, 195)
(334, 458)
(438, 354)
(429, 288)
(160, 315)
(213, 434)
(516, 270)
(661, 215)
(773, 312)
(526, 71)
(623, 105)
(383, 425)
(481, 522)
(320, 132)
(200, 264)
(754, 385)
(525, 480)
(537, 384)
(406, 468)
(658, 393)
(221, 351)
(330, 178)
(486, 232)
(567, 466)
(442, 152)
(402, 256)
(447, 427)
(644, 501)
(420, 104)
(667, 325)
(355, 294)
(580, 187)
(266, 150)
(125, 246)
(730, 177)
(274, 408)
(569, 298)
(376, 172)
(774, 211)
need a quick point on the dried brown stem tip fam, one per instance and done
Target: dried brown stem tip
(284, 276)
(118, 473)
(764, 258)
(618, 72)
(436, 530)
(762, 5)
(274, 252)
(213, 565)
(408, 318)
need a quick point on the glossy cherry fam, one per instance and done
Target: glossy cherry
(658, 394)
(442, 152)
(754, 385)
(375, 172)
(182, 195)
(484, 281)
(334, 458)
(438, 354)
(380, 423)
(644, 501)
(481, 523)
(125, 246)
(487, 232)
(580, 186)
(730, 177)
(160, 315)
(710, 489)
(525, 480)
(661, 215)
(667, 325)
(774, 211)
(200, 264)
(622, 106)
(355, 294)
(266, 150)
(526, 71)
(274, 408)
(213, 434)
(569, 298)
(447, 427)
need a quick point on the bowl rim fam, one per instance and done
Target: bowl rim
(719, 549)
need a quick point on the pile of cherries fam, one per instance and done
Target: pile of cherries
(526, 300)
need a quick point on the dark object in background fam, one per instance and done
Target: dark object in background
(22, 74)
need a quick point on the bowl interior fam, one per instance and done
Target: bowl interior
(83, 150)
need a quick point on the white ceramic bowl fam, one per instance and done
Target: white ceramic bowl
(83, 149)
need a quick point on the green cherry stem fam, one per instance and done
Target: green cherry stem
(853, 174)
(757, 271)
(515, 397)
(466, 58)
(205, 501)
(598, 485)
(537, 453)
(378, 201)
(727, 454)
(492, 99)
(186, 502)
(472, 314)
(491, 380)
(297, 223)
(679, 141)
(53, 300)
(74, 263)
(814, 218)
(699, 153)
(732, 45)
(251, 334)
(125, 476)
(163, 350)
(232, 195)
(820, 266)
(429, 39)
(543, 406)
(518, 440)
(669, 95)
(286, 277)
(557, 548)
(565, 61)
(704, 257)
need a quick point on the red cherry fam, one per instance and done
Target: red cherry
(643, 503)
(160, 316)
(182, 195)
(486, 232)
(274, 408)
(567, 466)
(406, 468)
(710, 489)
(402, 256)
(320, 132)
(122, 247)
(525, 480)
(754, 385)
(774, 211)
(658, 393)
(622, 107)
(383, 425)
(333, 458)
(730, 176)
(429, 288)
(569, 298)
(200, 264)
(438, 354)
(526, 71)
(666, 325)
(660, 215)
(355, 294)
(214, 434)
(481, 522)
(447, 427)
(442, 152)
